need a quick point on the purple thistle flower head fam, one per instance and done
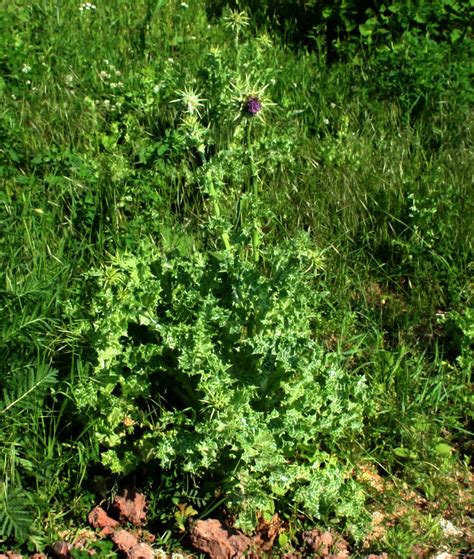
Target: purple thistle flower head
(253, 106)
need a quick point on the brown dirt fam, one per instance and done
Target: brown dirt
(267, 532)
(393, 506)
(326, 544)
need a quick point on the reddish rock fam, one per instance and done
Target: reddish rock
(99, 519)
(39, 556)
(130, 507)
(124, 540)
(141, 551)
(210, 537)
(60, 550)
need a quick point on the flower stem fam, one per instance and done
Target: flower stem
(253, 186)
(217, 211)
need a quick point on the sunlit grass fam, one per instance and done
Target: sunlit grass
(119, 125)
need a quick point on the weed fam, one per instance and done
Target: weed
(235, 260)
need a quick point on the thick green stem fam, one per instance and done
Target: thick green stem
(217, 212)
(253, 187)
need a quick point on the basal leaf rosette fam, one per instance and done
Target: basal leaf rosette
(207, 366)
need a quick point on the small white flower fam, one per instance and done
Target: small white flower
(184, 5)
(26, 68)
(326, 121)
(103, 75)
(87, 6)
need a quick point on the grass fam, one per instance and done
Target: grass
(125, 126)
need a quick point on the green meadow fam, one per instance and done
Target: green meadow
(236, 269)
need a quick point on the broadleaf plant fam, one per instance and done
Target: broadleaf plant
(207, 364)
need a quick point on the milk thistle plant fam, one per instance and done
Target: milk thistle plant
(255, 401)
(253, 104)
(251, 99)
(189, 98)
(237, 22)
